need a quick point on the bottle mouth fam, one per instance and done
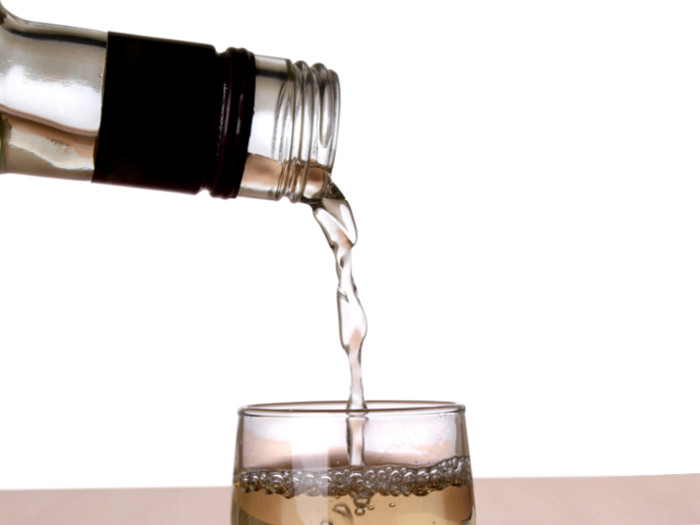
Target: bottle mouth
(294, 131)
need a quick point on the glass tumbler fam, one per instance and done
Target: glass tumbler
(293, 465)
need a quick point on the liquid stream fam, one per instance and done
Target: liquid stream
(334, 215)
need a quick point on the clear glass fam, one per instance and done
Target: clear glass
(292, 465)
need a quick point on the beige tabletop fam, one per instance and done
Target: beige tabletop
(660, 500)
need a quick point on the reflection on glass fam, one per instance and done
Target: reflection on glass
(50, 97)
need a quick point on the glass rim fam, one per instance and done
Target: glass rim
(339, 408)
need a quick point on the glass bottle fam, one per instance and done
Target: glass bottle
(153, 113)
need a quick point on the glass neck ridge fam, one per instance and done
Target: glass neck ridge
(294, 131)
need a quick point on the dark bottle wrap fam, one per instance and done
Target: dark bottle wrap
(175, 116)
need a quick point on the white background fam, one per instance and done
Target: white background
(526, 182)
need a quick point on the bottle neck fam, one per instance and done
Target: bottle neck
(294, 131)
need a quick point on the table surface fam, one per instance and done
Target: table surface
(659, 500)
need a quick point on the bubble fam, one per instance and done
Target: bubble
(343, 510)
(358, 482)
(392, 505)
